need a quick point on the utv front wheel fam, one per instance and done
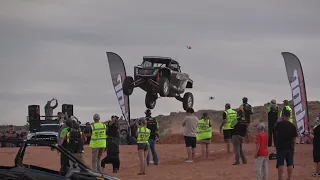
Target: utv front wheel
(127, 85)
(187, 101)
(164, 87)
(150, 100)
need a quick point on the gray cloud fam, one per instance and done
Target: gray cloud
(57, 49)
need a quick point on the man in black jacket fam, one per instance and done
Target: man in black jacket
(153, 125)
(238, 133)
(113, 145)
(273, 112)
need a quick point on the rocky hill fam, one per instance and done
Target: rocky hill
(171, 124)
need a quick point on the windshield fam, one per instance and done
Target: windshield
(151, 64)
(50, 128)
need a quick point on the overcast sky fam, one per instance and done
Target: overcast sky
(57, 49)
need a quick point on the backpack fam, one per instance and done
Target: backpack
(75, 144)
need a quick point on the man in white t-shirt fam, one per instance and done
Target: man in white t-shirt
(190, 132)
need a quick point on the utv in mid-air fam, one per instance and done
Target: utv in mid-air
(160, 76)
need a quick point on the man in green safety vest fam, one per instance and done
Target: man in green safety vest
(63, 142)
(228, 118)
(98, 142)
(288, 108)
(204, 134)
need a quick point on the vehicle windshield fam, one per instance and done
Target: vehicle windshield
(50, 128)
(152, 64)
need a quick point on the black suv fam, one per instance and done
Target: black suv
(160, 75)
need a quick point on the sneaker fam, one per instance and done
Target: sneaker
(188, 161)
(236, 163)
(315, 175)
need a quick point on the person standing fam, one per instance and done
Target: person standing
(98, 142)
(143, 135)
(48, 109)
(75, 140)
(238, 133)
(288, 108)
(261, 154)
(272, 111)
(64, 160)
(228, 117)
(316, 148)
(246, 109)
(204, 134)
(11, 134)
(87, 131)
(113, 145)
(190, 123)
(286, 134)
(153, 125)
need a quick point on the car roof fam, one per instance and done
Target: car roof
(159, 59)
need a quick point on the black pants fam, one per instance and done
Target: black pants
(64, 161)
(271, 136)
(112, 158)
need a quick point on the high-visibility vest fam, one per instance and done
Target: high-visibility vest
(143, 135)
(231, 117)
(204, 131)
(289, 109)
(99, 136)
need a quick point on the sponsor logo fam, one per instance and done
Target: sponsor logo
(299, 100)
(120, 96)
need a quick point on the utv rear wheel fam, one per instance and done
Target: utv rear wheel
(164, 87)
(150, 100)
(127, 85)
(188, 100)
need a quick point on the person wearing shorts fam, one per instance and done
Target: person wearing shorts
(286, 134)
(229, 116)
(190, 123)
(143, 134)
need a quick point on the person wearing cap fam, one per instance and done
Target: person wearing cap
(238, 133)
(247, 109)
(113, 145)
(261, 153)
(75, 139)
(204, 134)
(153, 125)
(288, 108)
(286, 134)
(316, 147)
(190, 123)
(64, 160)
(98, 142)
(272, 111)
(228, 117)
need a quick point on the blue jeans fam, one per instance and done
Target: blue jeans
(152, 144)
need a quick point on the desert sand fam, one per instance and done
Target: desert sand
(172, 165)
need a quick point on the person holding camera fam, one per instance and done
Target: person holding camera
(113, 145)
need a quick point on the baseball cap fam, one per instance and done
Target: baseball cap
(273, 101)
(286, 101)
(261, 126)
(96, 117)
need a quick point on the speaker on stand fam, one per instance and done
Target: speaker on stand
(67, 108)
(34, 117)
